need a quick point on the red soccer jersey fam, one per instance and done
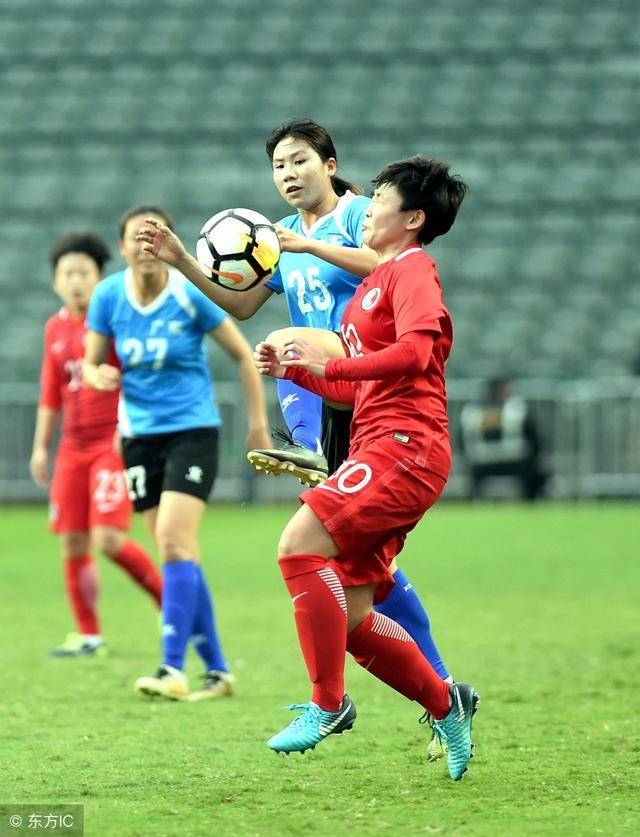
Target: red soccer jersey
(89, 416)
(401, 296)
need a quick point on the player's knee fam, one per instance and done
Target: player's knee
(356, 616)
(278, 337)
(108, 542)
(74, 544)
(171, 546)
(291, 543)
(359, 605)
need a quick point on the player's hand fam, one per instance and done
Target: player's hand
(266, 361)
(156, 238)
(116, 444)
(107, 378)
(291, 242)
(39, 466)
(306, 356)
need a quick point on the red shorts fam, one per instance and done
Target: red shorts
(369, 505)
(88, 489)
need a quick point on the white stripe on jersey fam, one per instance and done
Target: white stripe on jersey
(178, 290)
(338, 212)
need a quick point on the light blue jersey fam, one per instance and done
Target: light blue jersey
(166, 382)
(317, 292)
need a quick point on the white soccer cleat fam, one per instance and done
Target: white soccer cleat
(168, 682)
(216, 684)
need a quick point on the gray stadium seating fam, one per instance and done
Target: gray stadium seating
(107, 104)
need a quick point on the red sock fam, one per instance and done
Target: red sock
(386, 650)
(135, 561)
(81, 576)
(320, 611)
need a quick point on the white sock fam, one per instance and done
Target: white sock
(92, 639)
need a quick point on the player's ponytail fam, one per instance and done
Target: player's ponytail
(319, 139)
(341, 186)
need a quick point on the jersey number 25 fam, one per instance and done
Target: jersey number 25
(317, 291)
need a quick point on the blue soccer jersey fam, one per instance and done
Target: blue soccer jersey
(166, 381)
(317, 292)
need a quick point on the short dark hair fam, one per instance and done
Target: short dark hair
(426, 185)
(81, 242)
(319, 139)
(144, 209)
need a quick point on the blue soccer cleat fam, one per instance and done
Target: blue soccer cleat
(310, 727)
(455, 728)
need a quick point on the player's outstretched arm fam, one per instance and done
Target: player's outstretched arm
(165, 245)
(233, 342)
(357, 260)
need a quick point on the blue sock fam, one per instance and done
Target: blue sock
(179, 597)
(205, 636)
(404, 607)
(302, 411)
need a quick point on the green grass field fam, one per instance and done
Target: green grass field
(537, 607)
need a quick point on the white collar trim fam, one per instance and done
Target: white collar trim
(407, 253)
(337, 211)
(153, 306)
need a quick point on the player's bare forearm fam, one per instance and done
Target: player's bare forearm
(46, 422)
(240, 305)
(256, 407)
(357, 260)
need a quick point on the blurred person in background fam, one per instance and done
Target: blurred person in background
(500, 438)
(169, 424)
(323, 262)
(89, 502)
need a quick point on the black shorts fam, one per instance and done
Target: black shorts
(336, 435)
(185, 461)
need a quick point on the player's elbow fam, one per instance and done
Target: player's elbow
(239, 312)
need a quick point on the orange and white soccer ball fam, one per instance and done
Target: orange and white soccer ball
(238, 249)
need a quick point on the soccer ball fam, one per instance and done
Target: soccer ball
(238, 249)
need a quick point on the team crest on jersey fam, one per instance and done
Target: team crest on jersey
(370, 299)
